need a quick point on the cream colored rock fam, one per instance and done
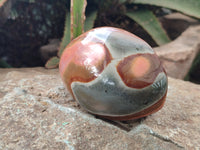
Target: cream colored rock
(50, 50)
(178, 55)
(180, 16)
(37, 112)
(180, 118)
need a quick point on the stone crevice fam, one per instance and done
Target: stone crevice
(164, 138)
(142, 127)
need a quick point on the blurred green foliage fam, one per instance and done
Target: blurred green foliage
(193, 74)
(32, 22)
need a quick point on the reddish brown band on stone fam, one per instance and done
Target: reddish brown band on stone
(139, 70)
(148, 111)
(83, 62)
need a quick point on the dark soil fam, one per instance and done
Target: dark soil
(22, 35)
(28, 27)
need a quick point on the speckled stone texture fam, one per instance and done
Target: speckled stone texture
(37, 112)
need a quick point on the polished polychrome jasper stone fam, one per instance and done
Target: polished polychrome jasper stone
(114, 74)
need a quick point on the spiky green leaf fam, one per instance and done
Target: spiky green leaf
(52, 63)
(74, 23)
(2, 2)
(193, 72)
(150, 23)
(122, 1)
(77, 17)
(189, 7)
(66, 37)
(90, 19)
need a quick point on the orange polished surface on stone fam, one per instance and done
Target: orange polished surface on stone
(140, 66)
(140, 70)
(83, 62)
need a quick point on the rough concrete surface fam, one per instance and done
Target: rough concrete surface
(37, 112)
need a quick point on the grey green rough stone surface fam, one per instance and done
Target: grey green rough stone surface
(37, 112)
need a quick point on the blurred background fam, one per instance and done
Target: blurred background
(26, 26)
(31, 30)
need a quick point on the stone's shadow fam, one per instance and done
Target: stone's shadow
(124, 125)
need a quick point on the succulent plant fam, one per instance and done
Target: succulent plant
(139, 13)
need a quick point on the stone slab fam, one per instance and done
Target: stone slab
(37, 112)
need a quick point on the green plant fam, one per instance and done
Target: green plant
(2, 2)
(193, 74)
(3, 64)
(74, 26)
(138, 10)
